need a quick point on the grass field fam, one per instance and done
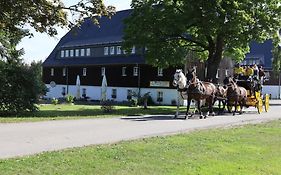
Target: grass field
(246, 150)
(62, 112)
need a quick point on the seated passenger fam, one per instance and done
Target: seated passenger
(249, 72)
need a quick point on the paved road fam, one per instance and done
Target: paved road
(20, 139)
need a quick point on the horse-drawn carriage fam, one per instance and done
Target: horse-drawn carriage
(255, 98)
(238, 93)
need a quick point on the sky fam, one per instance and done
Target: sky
(40, 46)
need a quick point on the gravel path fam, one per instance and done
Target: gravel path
(20, 139)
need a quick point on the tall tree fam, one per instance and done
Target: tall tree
(170, 29)
(21, 84)
(276, 51)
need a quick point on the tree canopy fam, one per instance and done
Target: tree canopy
(44, 16)
(170, 29)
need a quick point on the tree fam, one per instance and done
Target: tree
(21, 84)
(46, 16)
(276, 51)
(170, 29)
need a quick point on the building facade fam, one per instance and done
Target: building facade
(92, 52)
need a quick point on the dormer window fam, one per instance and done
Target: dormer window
(88, 52)
(105, 50)
(82, 52)
(77, 52)
(62, 53)
(71, 53)
(118, 50)
(112, 50)
(67, 53)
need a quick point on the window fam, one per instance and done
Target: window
(134, 50)
(84, 72)
(105, 50)
(77, 52)
(64, 72)
(112, 50)
(124, 71)
(71, 53)
(88, 52)
(84, 92)
(114, 93)
(136, 71)
(63, 91)
(160, 72)
(67, 53)
(102, 71)
(159, 96)
(218, 73)
(226, 72)
(82, 52)
(118, 50)
(62, 53)
(52, 71)
(129, 94)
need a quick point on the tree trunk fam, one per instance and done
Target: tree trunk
(214, 59)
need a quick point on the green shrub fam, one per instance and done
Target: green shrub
(55, 101)
(20, 87)
(133, 102)
(69, 99)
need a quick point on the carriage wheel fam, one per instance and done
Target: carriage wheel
(229, 108)
(266, 102)
(259, 105)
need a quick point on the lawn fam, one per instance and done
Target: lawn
(250, 149)
(63, 112)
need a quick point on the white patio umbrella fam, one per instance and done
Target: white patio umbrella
(103, 88)
(78, 87)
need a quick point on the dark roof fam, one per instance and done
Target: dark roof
(263, 51)
(111, 31)
(108, 31)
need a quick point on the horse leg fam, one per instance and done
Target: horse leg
(187, 108)
(199, 109)
(223, 105)
(211, 107)
(220, 106)
(241, 106)
(235, 106)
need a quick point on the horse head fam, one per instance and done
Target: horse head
(179, 79)
(191, 76)
(229, 82)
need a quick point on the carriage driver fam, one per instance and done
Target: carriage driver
(238, 71)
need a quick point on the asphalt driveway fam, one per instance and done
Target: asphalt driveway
(20, 139)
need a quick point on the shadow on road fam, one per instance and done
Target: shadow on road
(152, 117)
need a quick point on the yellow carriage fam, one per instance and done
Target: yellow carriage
(254, 95)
